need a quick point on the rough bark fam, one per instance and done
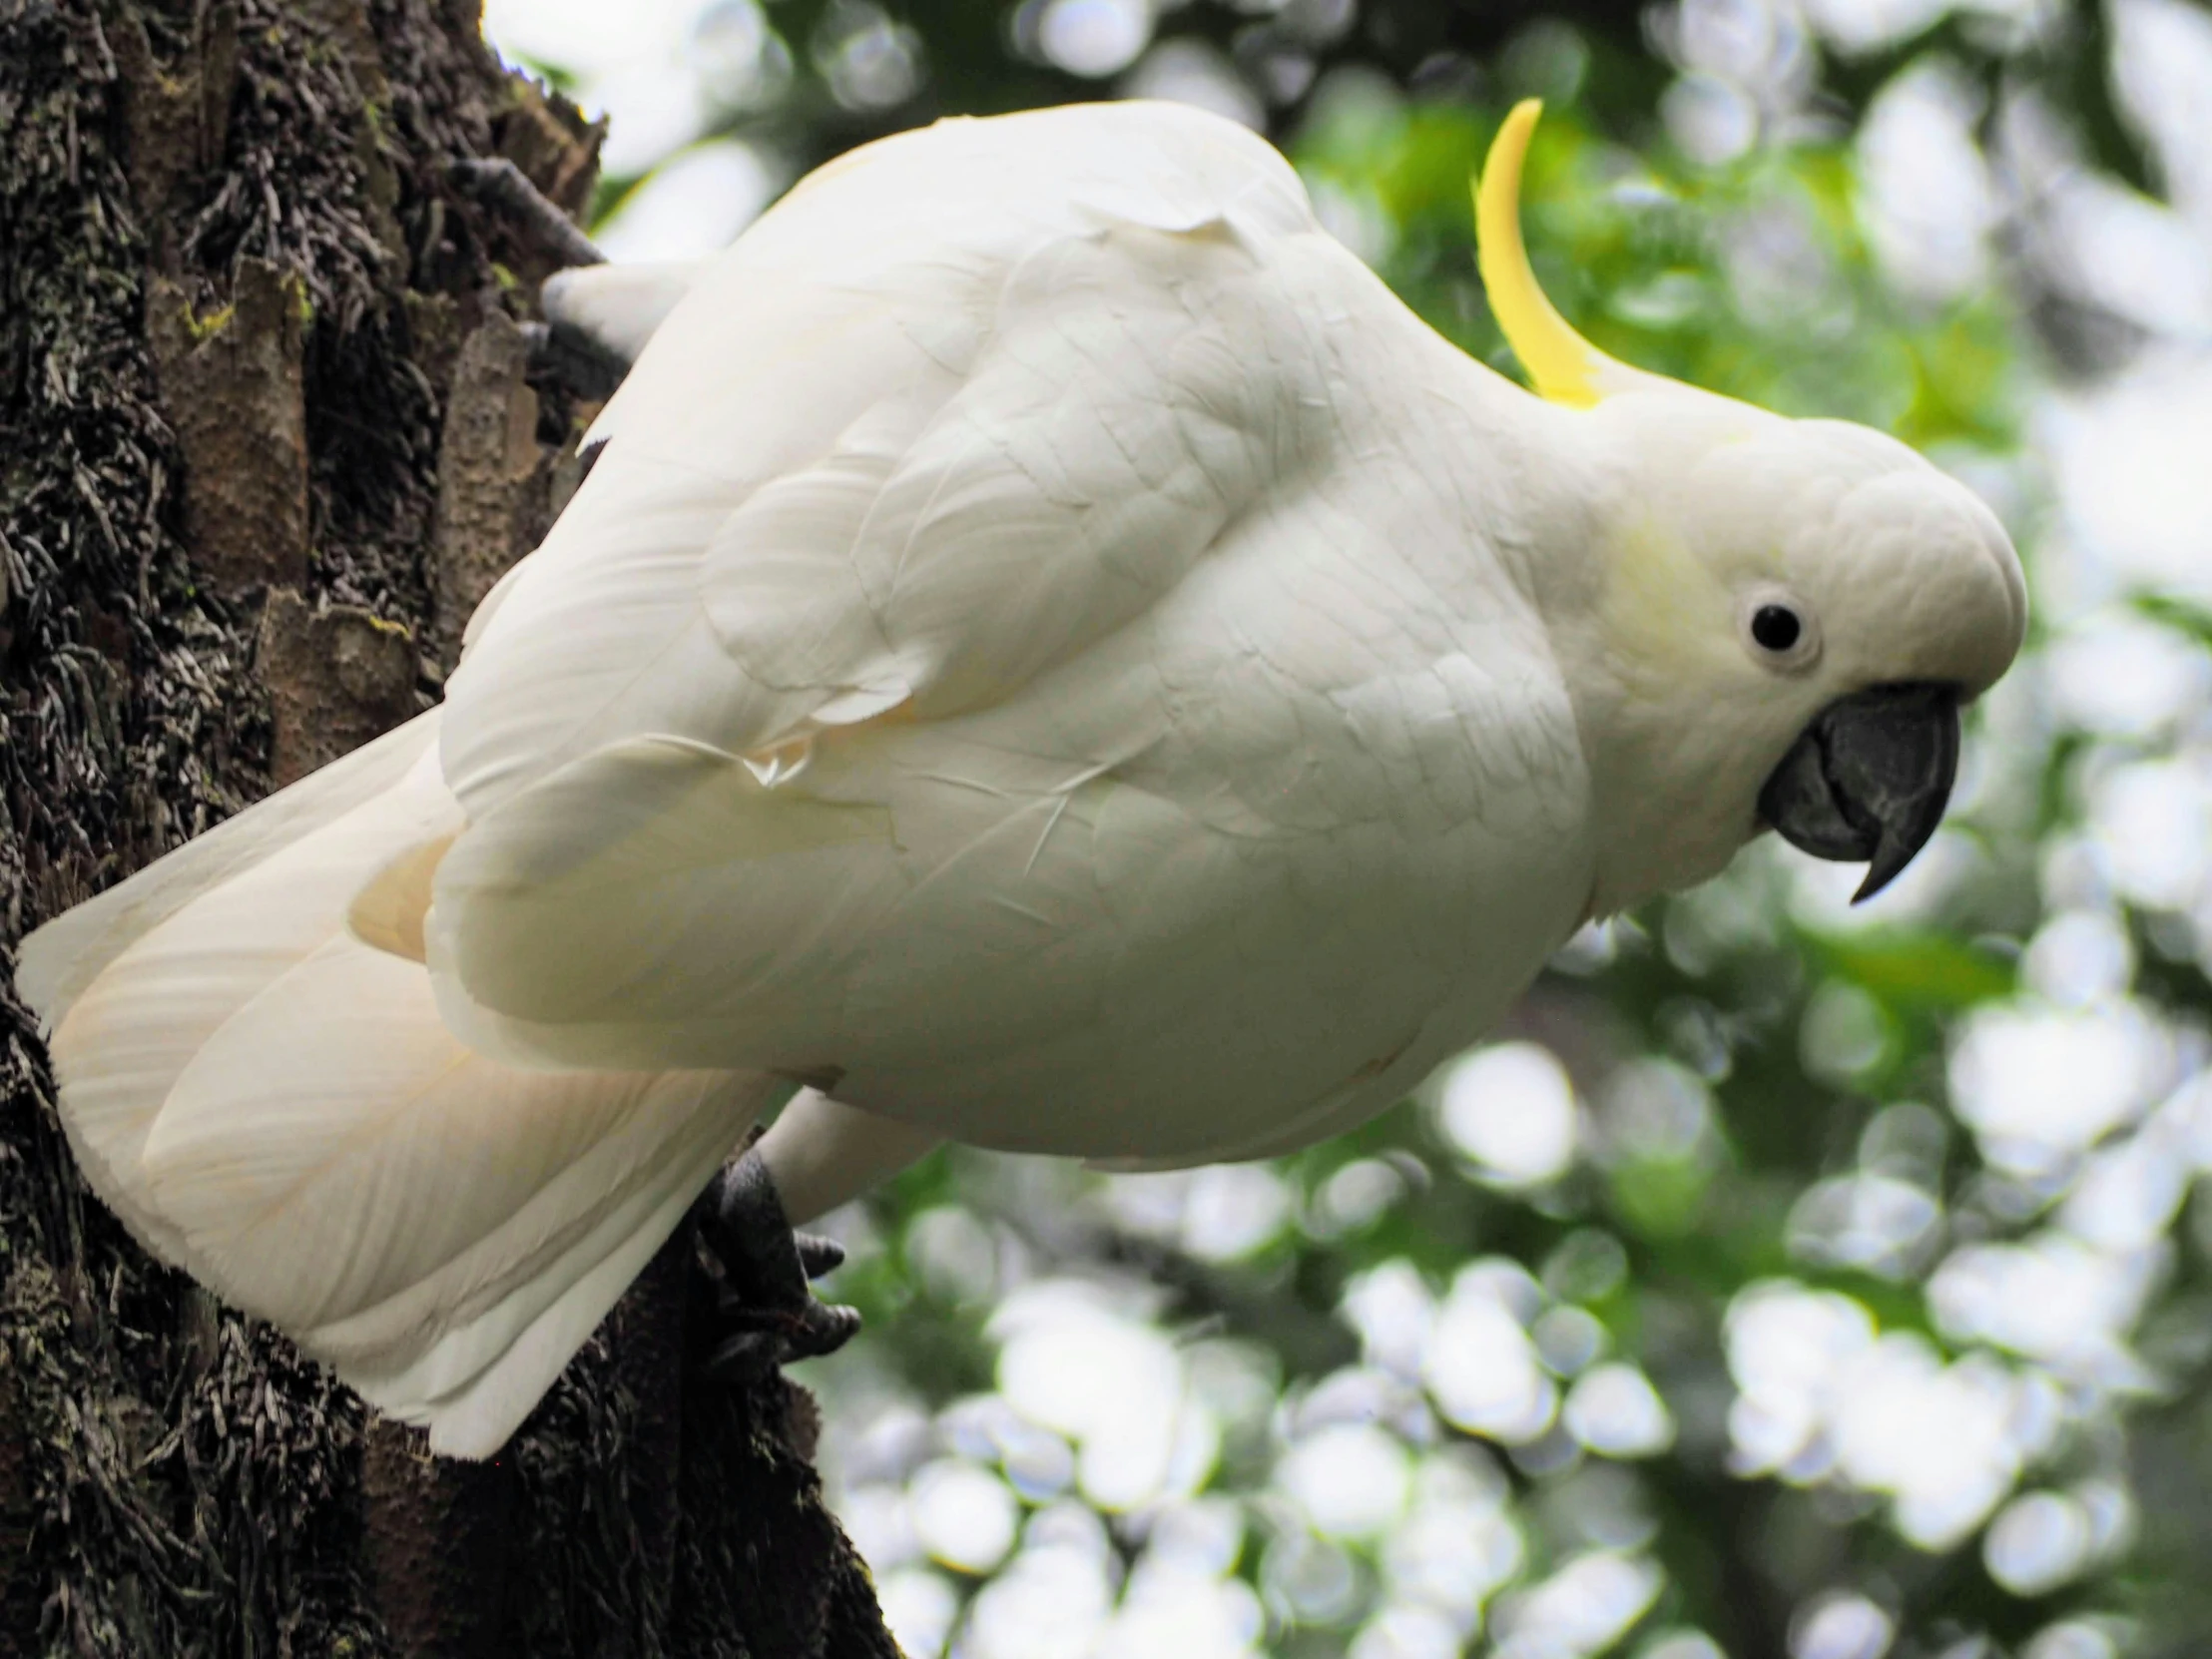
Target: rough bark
(267, 432)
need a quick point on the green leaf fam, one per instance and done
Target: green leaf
(1916, 970)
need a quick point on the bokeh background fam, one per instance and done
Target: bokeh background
(1789, 1279)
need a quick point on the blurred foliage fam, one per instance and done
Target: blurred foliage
(1899, 1140)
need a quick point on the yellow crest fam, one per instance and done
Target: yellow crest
(1566, 368)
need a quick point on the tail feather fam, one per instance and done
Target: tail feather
(256, 1078)
(473, 1386)
(133, 984)
(57, 962)
(452, 1229)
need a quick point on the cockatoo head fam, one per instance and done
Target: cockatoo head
(1785, 615)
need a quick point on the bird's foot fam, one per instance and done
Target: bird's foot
(761, 1313)
(562, 356)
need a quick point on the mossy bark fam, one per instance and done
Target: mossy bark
(265, 434)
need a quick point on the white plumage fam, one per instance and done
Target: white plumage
(1051, 652)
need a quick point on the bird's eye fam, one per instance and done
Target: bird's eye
(1779, 629)
(1776, 627)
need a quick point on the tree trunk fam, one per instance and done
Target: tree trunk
(267, 431)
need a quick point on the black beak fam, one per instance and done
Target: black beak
(1869, 779)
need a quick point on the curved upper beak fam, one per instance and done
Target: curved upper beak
(1869, 779)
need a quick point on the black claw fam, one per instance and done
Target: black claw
(508, 191)
(762, 1315)
(817, 1255)
(745, 1230)
(826, 1329)
(572, 359)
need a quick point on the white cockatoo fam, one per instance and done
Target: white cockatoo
(1052, 655)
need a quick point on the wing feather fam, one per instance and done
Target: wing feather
(895, 446)
(887, 463)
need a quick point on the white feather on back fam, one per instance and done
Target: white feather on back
(989, 662)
